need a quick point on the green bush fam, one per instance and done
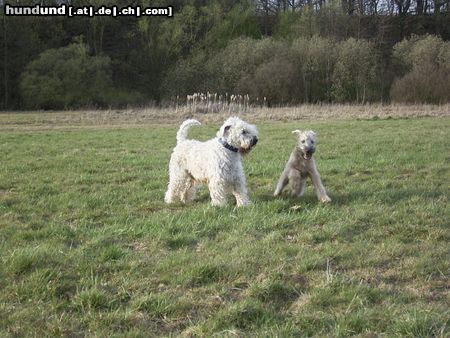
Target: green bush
(314, 60)
(312, 69)
(231, 70)
(355, 72)
(424, 67)
(275, 80)
(66, 77)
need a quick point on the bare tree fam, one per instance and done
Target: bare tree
(402, 6)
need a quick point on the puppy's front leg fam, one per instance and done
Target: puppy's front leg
(318, 186)
(282, 182)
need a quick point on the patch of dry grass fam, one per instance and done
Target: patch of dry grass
(147, 116)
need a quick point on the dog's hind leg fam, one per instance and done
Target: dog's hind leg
(177, 187)
(189, 192)
(171, 196)
(297, 183)
(302, 187)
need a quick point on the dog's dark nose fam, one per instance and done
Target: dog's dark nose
(254, 141)
(311, 151)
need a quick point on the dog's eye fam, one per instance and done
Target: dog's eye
(244, 132)
(303, 141)
(312, 142)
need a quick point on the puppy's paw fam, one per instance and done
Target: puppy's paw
(243, 203)
(325, 199)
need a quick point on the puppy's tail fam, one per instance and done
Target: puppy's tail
(182, 132)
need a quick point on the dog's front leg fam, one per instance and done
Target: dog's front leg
(282, 181)
(240, 192)
(217, 191)
(318, 186)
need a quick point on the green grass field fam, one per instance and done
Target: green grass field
(88, 248)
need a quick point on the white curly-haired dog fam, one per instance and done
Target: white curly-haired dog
(301, 165)
(217, 162)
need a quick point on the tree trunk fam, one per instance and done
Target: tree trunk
(419, 7)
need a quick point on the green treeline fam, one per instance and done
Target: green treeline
(288, 52)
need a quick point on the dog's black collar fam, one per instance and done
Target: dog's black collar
(228, 146)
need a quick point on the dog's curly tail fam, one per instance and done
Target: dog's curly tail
(182, 132)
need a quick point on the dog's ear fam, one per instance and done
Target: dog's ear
(226, 129)
(313, 133)
(297, 131)
(223, 131)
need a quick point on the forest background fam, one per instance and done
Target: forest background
(276, 53)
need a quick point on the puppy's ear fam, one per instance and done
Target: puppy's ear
(313, 133)
(296, 131)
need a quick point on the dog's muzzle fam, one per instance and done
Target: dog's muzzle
(307, 154)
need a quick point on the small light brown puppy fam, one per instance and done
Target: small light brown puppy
(301, 165)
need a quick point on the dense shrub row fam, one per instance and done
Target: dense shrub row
(313, 69)
(318, 70)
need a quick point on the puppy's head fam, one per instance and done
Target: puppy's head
(306, 142)
(239, 134)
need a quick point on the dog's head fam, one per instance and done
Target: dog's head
(306, 142)
(239, 134)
